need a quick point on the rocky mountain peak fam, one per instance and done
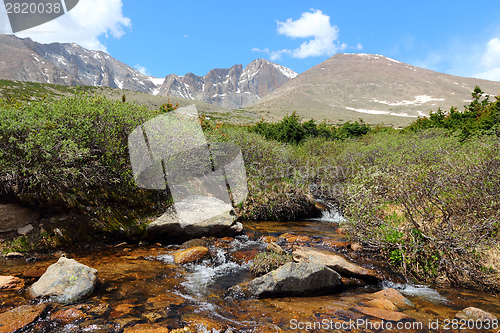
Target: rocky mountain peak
(232, 88)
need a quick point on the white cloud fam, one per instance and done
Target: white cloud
(142, 69)
(490, 61)
(314, 25)
(83, 25)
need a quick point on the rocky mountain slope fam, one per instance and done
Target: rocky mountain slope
(231, 88)
(66, 64)
(372, 87)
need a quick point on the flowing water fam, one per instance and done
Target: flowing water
(144, 285)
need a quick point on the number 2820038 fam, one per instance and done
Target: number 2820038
(33, 8)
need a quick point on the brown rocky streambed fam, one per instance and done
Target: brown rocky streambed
(156, 288)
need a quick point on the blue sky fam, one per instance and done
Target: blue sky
(163, 37)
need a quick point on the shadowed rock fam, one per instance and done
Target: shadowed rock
(14, 217)
(295, 279)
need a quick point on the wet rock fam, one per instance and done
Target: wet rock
(199, 323)
(244, 257)
(383, 304)
(68, 315)
(394, 296)
(472, 313)
(382, 314)
(290, 238)
(20, 317)
(336, 243)
(221, 220)
(121, 309)
(147, 328)
(333, 261)
(352, 282)
(273, 247)
(129, 321)
(224, 243)
(101, 310)
(268, 239)
(13, 217)
(34, 274)
(11, 283)
(66, 281)
(152, 316)
(164, 300)
(194, 242)
(190, 255)
(25, 230)
(295, 279)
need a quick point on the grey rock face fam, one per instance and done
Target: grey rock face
(229, 88)
(295, 279)
(13, 217)
(66, 281)
(66, 64)
(208, 216)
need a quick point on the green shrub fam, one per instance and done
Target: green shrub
(71, 154)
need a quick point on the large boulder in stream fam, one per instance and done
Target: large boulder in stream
(201, 216)
(66, 281)
(333, 261)
(294, 279)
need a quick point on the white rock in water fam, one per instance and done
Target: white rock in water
(66, 281)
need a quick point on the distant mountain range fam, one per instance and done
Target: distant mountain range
(345, 87)
(71, 64)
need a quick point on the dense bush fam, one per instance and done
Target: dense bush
(291, 130)
(428, 201)
(71, 154)
(481, 116)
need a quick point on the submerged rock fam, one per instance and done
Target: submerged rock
(472, 313)
(208, 216)
(295, 279)
(11, 283)
(333, 261)
(394, 296)
(66, 281)
(387, 315)
(19, 318)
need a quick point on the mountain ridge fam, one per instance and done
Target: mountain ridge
(231, 88)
